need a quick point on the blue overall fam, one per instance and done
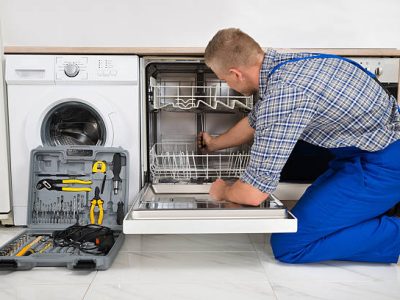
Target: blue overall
(341, 216)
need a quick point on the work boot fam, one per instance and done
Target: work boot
(394, 211)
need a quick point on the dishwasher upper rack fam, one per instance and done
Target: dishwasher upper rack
(182, 163)
(186, 96)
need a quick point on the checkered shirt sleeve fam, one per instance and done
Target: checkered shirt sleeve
(279, 119)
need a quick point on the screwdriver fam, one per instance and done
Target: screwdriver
(116, 170)
(116, 181)
(29, 246)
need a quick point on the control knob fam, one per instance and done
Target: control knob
(71, 69)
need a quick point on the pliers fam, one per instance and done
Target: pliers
(50, 184)
(96, 201)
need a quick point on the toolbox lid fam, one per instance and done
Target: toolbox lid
(78, 184)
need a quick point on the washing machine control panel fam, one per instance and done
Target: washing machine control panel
(71, 67)
(93, 68)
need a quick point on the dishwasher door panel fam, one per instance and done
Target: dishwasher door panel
(153, 213)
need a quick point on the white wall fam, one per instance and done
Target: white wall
(274, 23)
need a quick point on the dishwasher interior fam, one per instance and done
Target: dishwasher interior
(181, 98)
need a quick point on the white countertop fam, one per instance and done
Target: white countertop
(196, 51)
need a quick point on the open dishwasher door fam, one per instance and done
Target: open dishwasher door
(154, 213)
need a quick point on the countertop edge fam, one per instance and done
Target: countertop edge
(196, 51)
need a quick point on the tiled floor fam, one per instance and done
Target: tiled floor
(233, 266)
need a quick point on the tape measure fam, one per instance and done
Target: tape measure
(99, 167)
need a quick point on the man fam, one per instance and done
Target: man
(330, 102)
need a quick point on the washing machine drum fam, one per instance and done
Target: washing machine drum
(73, 123)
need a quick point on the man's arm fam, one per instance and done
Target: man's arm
(239, 192)
(285, 113)
(239, 134)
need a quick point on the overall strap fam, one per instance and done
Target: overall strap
(319, 55)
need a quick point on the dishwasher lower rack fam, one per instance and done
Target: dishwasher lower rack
(153, 213)
(179, 167)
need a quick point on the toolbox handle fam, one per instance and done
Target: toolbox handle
(85, 264)
(79, 153)
(8, 264)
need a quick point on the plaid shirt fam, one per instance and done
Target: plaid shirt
(326, 102)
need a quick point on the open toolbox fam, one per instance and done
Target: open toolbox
(78, 197)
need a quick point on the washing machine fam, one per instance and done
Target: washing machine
(70, 100)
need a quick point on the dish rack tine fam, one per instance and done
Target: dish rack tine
(188, 165)
(207, 175)
(230, 165)
(194, 165)
(240, 164)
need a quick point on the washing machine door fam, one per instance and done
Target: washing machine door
(74, 120)
(73, 123)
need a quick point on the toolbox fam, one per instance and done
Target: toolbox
(78, 197)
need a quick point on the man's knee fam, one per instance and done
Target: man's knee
(282, 245)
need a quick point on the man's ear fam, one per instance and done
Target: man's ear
(236, 73)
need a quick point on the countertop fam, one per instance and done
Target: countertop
(195, 51)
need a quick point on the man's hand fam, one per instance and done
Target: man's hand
(217, 190)
(205, 142)
(239, 192)
(239, 134)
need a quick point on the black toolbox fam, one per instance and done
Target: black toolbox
(71, 187)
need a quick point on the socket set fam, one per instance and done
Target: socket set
(77, 200)
(35, 245)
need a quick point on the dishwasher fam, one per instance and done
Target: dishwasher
(181, 96)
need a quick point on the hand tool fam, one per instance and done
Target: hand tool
(116, 181)
(120, 212)
(27, 247)
(57, 217)
(46, 247)
(100, 166)
(76, 209)
(116, 171)
(71, 213)
(103, 183)
(87, 199)
(61, 210)
(40, 211)
(50, 184)
(34, 211)
(60, 175)
(34, 249)
(47, 213)
(53, 214)
(96, 201)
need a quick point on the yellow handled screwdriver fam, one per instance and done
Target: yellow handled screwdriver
(29, 246)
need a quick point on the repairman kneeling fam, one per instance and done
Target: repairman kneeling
(328, 101)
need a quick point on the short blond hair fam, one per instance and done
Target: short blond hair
(230, 48)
